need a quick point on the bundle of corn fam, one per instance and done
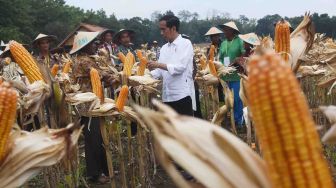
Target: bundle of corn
(288, 137)
(96, 84)
(212, 155)
(26, 61)
(32, 101)
(67, 62)
(30, 152)
(282, 39)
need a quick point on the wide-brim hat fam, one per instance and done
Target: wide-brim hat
(213, 31)
(155, 42)
(82, 39)
(42, 36)
(102, 34)
(250, 38)
(231, 25)
(121, 31)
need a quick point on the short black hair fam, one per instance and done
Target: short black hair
(171, 21)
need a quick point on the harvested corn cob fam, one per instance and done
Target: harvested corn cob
(282, 39)
(131, 58)
(122, 57)
(212, 68)
(289, 141)
(67, 67)
(128, 65)
(139, 54)
(122, 98)
(203, 62)
(143, 63)
(212, 53)
(96, 84)
(142, 67)
(8, 101)
(54, 70)
(26, 61)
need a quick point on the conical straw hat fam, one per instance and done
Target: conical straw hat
(213, 31)
(82, 39)
(250, 38)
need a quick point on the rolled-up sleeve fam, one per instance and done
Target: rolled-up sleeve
(185, 57)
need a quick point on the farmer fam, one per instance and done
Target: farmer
(231, 48)
(42, 43)
(123, 39)
(84, 46)
(106, 38)
(175, 68)
(156, 49)
(251, 40)
(214, 34)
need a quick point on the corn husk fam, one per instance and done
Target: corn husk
(330, 136)
(213, 156)
(38, 92)
(32, 151)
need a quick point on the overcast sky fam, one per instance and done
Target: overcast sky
(250, 8)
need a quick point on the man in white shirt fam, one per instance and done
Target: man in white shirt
(175, 68)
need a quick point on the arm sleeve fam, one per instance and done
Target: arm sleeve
(185, 57)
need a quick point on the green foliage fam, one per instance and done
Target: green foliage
(23, 20)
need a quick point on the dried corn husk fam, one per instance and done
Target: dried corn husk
(209, 153)
(33, 151)
(38, 92)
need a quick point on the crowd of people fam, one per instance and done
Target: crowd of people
(173, 64)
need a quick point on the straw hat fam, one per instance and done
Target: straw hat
(213, 31)
(121, 31)
(231, 25)
(82, 39)
(105, 32)
(43, 36)
(250, 38)
(155, 42)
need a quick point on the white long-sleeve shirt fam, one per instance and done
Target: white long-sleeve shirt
(177, 81)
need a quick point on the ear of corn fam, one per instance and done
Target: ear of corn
(54, 70)
(142, 67)
(289, 141)
(131, 58)
(67, 67)
(8, 101)
(96, 84)
(128, 65)
(122, 57)
(212, 68)
(26, 61)
(122, 98)
(282, 39)
(143, 63)
(212, 53)
(203, 62)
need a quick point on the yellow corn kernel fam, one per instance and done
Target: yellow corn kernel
(282, 39)
(212, 53)
(212, 68)
(54, 70)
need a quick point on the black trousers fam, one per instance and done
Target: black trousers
(95, 156)
(198, 112)
(182, 106)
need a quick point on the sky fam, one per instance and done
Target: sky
(249, 8)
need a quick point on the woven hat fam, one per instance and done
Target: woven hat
(231, 25)
(82, 39)
(118, 34)
(213, 31)
(155, 42)
(43, 36)
(106, 31)
(250, 38)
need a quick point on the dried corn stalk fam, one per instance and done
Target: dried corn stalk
(209, 153)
